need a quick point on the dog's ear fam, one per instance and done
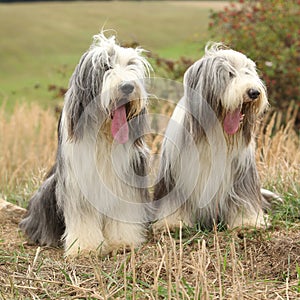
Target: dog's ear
(84, 88)
(204, 82)
(192, 95)
(192, 76)
(197, 98)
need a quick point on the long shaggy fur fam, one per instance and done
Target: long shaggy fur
(207, 172)
(93, 198)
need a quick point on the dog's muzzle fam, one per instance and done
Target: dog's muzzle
(119, 126)
(233, 119)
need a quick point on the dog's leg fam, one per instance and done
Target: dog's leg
(170, 210)
(172, 221)
(44, 223)
(119, 234)
(84, 233)
(246, 218)
(168, 216)
(247, 209)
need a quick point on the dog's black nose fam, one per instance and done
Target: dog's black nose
(253, 94)
(127, 88)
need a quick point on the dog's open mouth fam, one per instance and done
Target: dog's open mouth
(232, 121)
(119, 125)
(125, 110)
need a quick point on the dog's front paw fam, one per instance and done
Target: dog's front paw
(169, 224)
(159, 227)
(256, 220)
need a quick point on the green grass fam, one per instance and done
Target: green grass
(286, 214)
(42, 42)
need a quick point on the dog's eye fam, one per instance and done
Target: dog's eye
(231, 75)
(106, 67)
(131, 62)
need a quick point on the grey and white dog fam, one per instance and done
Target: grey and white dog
(207, 171)
(93, 197)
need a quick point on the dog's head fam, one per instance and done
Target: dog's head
(109, 80)
(228, 82)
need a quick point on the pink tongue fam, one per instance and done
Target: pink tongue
(232, 121)
(119, 126)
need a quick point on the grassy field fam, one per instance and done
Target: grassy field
(40, 46)
(42, 42)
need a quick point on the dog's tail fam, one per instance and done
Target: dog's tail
(44, 222)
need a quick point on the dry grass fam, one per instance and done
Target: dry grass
(28, 145)
(219, 265)
(189, 264)
(278, 151)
